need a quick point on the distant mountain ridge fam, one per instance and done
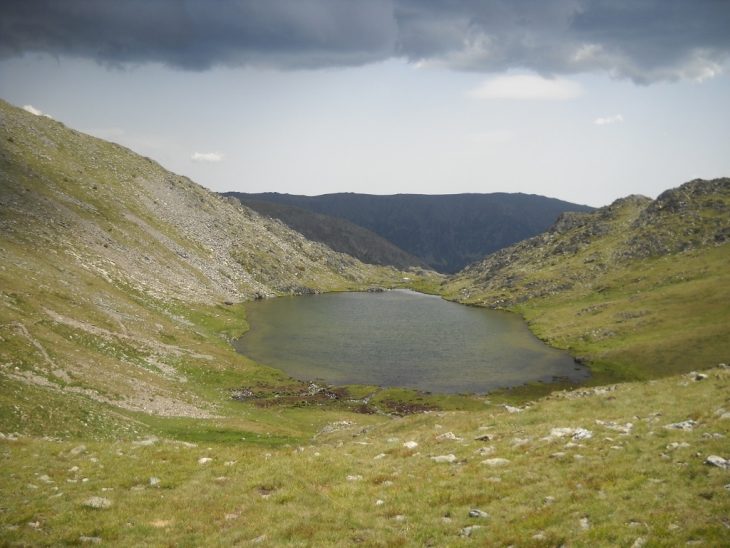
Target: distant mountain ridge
(447, 232)
(339, 234)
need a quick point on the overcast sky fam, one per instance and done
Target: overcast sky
(584, 100)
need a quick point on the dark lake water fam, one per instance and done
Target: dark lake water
(400, 338)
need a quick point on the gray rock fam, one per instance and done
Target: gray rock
(467, 531)
(476, 513)
(450, 458)
(687, 425)
(448, 436)
(576, 434)
(99, 503)
(715, 460)
(77, 450)
(497, 461)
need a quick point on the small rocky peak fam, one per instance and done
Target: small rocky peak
(634, 201)
(689, 195)
(569, 220)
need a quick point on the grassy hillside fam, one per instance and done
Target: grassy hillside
(127, 419)
(446, 232)
(339, 234)
(119, 284)
(638, 289)
(600, 467)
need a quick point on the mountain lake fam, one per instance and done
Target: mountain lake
(400, 338)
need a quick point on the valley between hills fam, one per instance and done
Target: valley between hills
(127, 418)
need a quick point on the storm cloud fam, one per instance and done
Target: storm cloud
(642, 40)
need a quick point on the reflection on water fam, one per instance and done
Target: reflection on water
(400, 338)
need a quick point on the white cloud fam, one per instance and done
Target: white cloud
(527, 87)
(608, 120)
(33, 110)
(207, 157)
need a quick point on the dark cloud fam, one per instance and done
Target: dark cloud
(644, 40)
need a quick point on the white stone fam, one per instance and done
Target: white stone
(576, 434)
(467, 531)
(97, 502)
(687, 425)
(77, 450)
(151, 440)
(444, 458)
(718, 461)
(496, 462)
(624, 429)
(678, 445)
(204, 460)
(410, 444)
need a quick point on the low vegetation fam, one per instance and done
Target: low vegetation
(637, 289)
(623, 465)
(126, 417)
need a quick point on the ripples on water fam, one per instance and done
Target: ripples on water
(400, 338)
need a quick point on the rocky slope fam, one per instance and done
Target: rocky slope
(105, 257)
(447, 232)
(339, 234)
(119, 214)
(632, 282)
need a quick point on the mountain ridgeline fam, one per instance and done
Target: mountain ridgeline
(339, 234)
(446, 232)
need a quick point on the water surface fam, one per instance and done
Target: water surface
(400, 338)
